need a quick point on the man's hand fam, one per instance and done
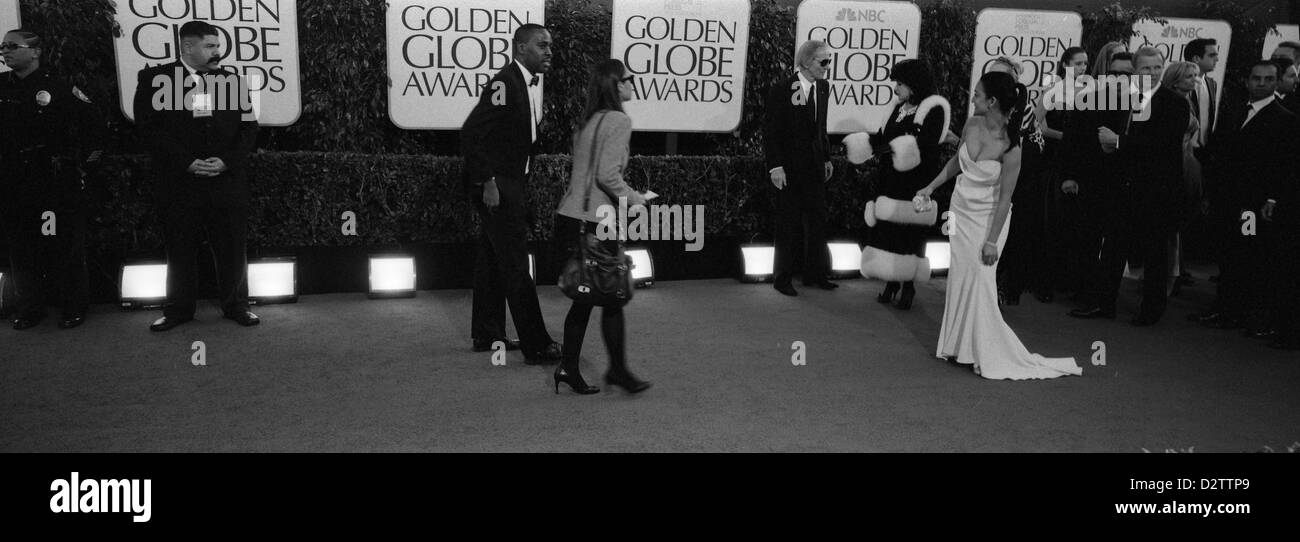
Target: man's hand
(491, 194)
(217, 164)
(1109, 140)
(1267, 210)
(202, 168)
(951, 137)
(778, 178)
(830, 169)
(1070, 187)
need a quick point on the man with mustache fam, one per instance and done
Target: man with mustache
(200, 154)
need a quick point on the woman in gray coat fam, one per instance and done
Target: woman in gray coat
(609, 128)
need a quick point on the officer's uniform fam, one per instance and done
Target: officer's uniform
(48, 129)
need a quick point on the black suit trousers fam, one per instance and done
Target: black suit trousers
(196, 209)
(1103, 225)
(801, 203)
(36, 258)
(501, 272)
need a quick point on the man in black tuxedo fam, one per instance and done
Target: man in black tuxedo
(1152, 151)
(1098, 182)
(200, 146)
(1251, 151)
(1204, 52)
(798, 160)
(497, 141)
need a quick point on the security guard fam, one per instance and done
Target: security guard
(51, 135)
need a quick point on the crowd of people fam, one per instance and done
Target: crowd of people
(1051, 196)
(1106, 186)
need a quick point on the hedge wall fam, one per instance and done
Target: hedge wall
(298, 198)
(342, 48)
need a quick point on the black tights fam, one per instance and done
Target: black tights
(611, 329)
(575, 324)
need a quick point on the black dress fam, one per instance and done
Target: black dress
(902, 185)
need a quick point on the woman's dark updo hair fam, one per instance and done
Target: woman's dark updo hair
(1066, 57)
(916, 75)
(1011, 98)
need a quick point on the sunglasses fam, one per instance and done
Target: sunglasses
(627, 79)
(825, 62)
(11, 46)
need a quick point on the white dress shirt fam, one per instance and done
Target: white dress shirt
(1256, 106)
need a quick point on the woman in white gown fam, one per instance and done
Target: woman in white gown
(973, 331)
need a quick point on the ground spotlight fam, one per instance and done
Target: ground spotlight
(392, 275)
(143, 284)
(758, 263)
(272, 280)
(940, 256)
(846, 259)
(643, 269)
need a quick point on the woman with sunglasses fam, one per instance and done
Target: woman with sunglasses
(913, 83)
(607, 130)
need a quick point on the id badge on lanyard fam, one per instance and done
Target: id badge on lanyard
(203, 106)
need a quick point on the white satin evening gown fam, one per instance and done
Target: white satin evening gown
(973, 329)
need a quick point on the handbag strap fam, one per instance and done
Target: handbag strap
(591, 172)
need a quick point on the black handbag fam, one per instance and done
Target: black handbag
(593, 275)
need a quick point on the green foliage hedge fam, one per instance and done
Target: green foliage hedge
(298, 198)
(342, 49)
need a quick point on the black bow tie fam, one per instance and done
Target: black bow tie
(535, 80)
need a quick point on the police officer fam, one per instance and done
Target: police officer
(51, 135)
(200, 151)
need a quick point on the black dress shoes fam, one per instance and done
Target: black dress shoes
(1093, 312)
(785, 288)
(823, 284)
(1261, 333)
(165, 323)
(244, 318)
(71, 320)
(1044, 296)
(486, 345)
(1221, 320)
(550, 355)
(26, 322)
(1285, 343)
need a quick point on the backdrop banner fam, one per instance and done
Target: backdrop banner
(1032, 38)
(259, 41)
(1170, 38)
(9, 20)
(441, 55)
(866, 40)
(687, 59)
(1284, 32)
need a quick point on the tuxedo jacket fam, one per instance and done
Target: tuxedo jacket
(1081, 159)
(176, 137)
(1152, 150)
(794, 135)
(1254, 162)
(496, 139)
(1212, 88)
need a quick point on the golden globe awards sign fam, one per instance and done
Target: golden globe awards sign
(866, 39)
(9, 20)
(441, 55)
(1284, 32)
(1032, 38)
(1172, 37)
(687, 59)
(259, 41)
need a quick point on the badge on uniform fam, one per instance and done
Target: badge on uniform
(42, 98)
(202, 106)
(80, 95)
